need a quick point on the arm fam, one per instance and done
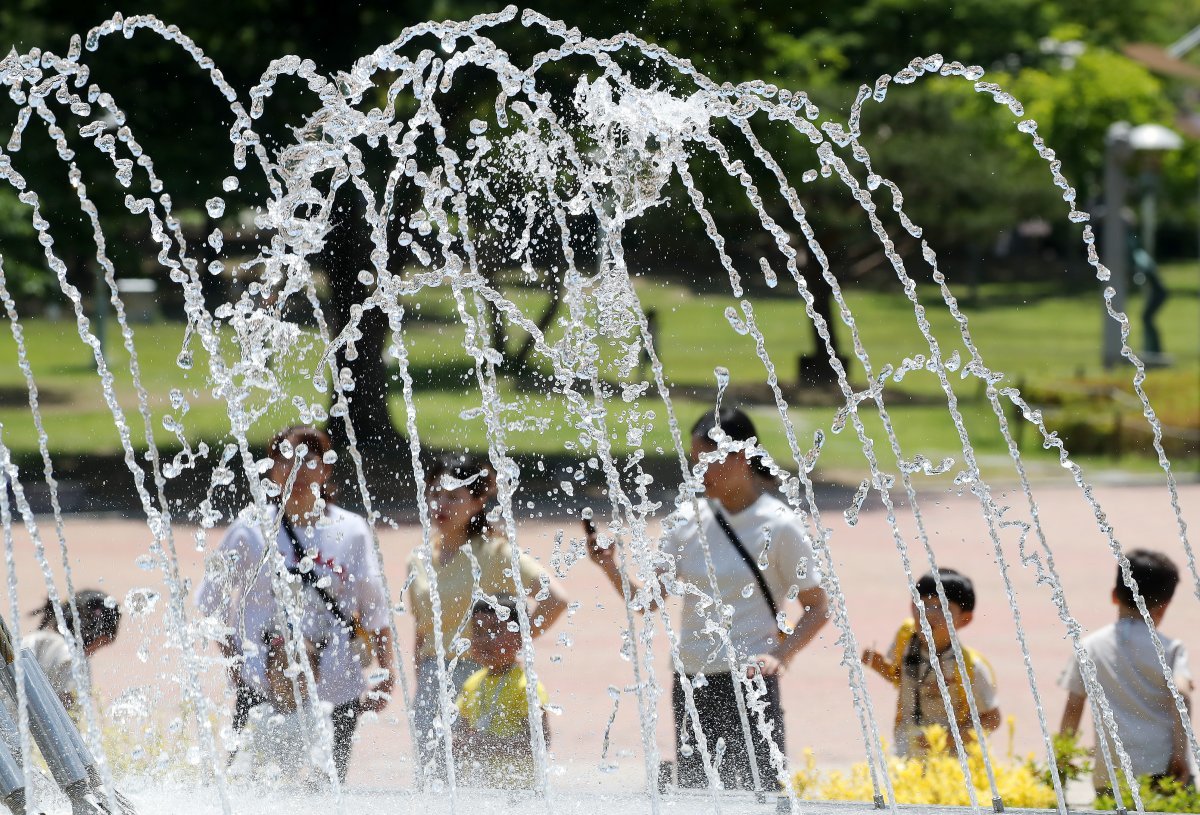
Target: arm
(549, 609)
(1072, 714)
(990, 719)
(381, 692)
(224, 589)
(1178, 764)
(816, 613)
(878, 663)
(606, 559)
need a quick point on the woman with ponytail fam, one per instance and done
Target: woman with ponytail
(469, 560)
(754, 548)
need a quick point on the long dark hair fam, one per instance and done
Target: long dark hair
(461, 467)
(316, 440)
(99, 616)
(738, 427)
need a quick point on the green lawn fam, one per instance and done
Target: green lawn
(1045, 342)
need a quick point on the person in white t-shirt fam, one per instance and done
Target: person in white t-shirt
(1131, 676)
(324, 557)
(99, 621)
(761, 558)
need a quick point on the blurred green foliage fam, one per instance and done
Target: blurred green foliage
(955, 153)
(967, 173)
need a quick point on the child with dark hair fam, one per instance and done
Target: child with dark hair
(492, 736)
(1131, 676)
(467, 558)
(278, 743)
(919, 702)
(99, 621)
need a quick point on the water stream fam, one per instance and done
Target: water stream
(463, 201)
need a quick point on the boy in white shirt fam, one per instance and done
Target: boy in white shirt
(1129, 672)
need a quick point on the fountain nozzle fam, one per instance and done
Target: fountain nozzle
(70, 762)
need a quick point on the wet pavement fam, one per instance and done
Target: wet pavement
(110, 553)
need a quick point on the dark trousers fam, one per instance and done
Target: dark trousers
(345, 722)
(716, 707)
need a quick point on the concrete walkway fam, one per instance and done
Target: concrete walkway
(580, 659)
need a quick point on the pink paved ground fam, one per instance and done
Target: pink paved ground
(819, 711)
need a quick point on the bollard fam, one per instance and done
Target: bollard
(65, 764)
(12, 775)
(70, 762)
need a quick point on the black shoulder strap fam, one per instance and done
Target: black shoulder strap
(727, 528)
(310, 578)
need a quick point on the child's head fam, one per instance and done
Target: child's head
(99, 618)
(960, 594)
(1156, 577)
(280, 691)
(494, 643)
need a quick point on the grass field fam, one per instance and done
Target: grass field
(1046, 342)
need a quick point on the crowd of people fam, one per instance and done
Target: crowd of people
(309, 645)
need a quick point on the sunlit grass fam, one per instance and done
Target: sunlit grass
(1039, 341)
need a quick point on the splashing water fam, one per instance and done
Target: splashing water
(461, 203)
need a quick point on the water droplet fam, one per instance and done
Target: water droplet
(478, 127)
(215, 207)
(768, 273)
(230, 183)
(140, 602)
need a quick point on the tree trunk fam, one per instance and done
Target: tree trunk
(347, 251)
(815, 368)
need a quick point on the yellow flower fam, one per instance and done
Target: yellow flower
(935, 779)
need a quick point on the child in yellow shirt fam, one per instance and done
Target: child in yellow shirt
(919, 702)
(492, 738)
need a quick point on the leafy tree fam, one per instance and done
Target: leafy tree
(953, 151)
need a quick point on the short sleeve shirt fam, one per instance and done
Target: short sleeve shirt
(53, 655)
(1131, 676)
(457, 587)
(238, 593)
(497, 703)
(774, 536)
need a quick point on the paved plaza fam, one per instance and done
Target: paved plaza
(581, 659)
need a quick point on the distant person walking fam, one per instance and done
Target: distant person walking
(326, 555)
(458, 489)
(99, 622)
(759, 556)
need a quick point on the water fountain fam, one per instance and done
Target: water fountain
(531, 171)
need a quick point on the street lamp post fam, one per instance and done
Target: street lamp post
(1120, 144)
